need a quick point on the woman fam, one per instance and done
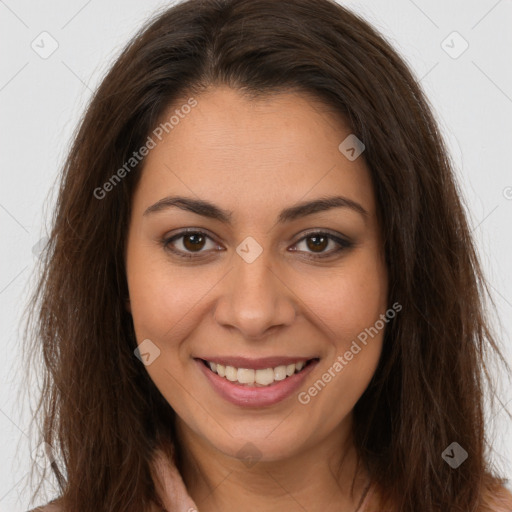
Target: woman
(260, 291)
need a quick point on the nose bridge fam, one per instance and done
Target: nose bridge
(255, 298)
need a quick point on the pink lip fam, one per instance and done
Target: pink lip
(249, 396)
(257, 364)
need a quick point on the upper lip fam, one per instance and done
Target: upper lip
(256, 364)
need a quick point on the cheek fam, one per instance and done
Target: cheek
(161, 303)
(351, 309)
(161, 294)
(151, 302)
(349, 299)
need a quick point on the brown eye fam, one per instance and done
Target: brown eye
(188, 244)
(318, 243)
(194, 241)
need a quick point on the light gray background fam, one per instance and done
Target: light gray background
(41, 101)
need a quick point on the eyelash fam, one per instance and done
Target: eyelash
(343, 244)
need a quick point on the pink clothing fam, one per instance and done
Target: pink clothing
(174, 486)
(499, 502)
(168, 482)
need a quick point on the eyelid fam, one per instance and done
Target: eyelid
(342, 242)
(167, 240)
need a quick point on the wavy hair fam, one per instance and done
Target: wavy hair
(99, 410)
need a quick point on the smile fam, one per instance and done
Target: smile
(265, 383)
(256, 377)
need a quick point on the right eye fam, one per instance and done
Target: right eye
(191, 241)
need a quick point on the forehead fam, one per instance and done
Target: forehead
(254, 153)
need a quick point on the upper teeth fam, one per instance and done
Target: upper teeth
(259, 377)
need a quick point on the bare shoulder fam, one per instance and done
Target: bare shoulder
(499, 500)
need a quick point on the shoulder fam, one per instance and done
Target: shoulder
(497, 500)
(51, 507)
(54, 507)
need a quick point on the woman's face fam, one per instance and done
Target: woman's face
(258, 276)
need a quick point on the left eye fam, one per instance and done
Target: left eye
(192, 242)
(318, 242)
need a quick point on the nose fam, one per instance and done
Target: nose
(255, 298)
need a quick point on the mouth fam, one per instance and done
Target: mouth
(259, 373)
(256, 383)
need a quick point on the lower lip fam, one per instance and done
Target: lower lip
(250, 396)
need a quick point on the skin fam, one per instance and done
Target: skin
(255, 158)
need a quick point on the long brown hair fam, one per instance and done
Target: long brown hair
(100, 411)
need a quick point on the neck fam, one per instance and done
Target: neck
(318, 478)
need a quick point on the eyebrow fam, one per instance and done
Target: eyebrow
(299, 210)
